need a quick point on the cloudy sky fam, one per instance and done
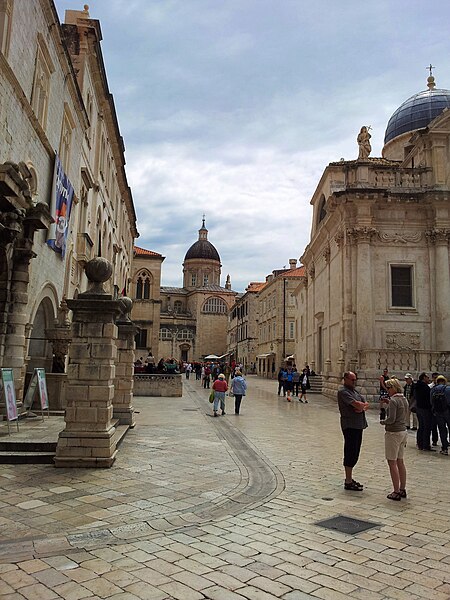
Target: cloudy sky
(233, 108)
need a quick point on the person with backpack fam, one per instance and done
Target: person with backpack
(424, 414)
(440, 407)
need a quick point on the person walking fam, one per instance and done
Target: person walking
(207, 377)
(281, 375)
(352, 407)
(296, 381)
(395, 437)
(220, 387)
(239, 388)
(305, 385)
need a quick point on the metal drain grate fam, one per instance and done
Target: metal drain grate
(190, 409)
(347, 524)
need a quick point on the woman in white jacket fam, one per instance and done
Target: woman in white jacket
(238, 387)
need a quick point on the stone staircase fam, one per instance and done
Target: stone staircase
(316, 384)
(35, 451)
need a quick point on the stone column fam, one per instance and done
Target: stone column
(124, 382)
(88, 439)
(440, 238)
(364, 288)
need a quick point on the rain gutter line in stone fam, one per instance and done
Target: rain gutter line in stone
(260, 481)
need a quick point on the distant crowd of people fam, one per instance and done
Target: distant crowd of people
(292, 382)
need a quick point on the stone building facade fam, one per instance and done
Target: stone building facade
(193, 318)
(243, 327)
(145, 291)
(276, 320)
(54, 104)
(377, 284)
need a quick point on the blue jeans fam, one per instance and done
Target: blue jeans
(443, 421)
(219, 397)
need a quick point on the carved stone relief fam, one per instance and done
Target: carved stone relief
(399, 340)
(400, 237)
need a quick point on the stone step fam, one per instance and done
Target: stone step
(23, 446)
(26, 458)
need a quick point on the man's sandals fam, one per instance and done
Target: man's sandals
(354, 486)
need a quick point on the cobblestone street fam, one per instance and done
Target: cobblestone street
(226, 509)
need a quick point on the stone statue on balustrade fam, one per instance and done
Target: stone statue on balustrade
(363, 140)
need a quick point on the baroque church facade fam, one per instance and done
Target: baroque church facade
(376, 288)
(189, 322)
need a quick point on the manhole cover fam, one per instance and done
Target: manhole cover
(346, 524)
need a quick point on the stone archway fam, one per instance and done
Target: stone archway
(40, 350)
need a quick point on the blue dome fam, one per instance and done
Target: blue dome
(417, 112)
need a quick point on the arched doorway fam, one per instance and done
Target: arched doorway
(40, 349)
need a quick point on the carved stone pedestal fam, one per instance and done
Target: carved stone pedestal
(123, 387)
(89, 438)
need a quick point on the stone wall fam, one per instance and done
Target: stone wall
(158, 385)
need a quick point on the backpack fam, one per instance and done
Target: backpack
(439, 401)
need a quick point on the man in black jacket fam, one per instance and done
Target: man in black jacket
(424, 414)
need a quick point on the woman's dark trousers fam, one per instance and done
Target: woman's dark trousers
(237, 403)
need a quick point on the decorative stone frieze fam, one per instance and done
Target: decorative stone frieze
(400, 340)
(326, 253)
(312, 271)
(395, 237)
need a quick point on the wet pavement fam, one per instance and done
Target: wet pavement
(226, 508)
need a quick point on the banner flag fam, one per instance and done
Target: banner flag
(62, 197)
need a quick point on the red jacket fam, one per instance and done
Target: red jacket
(220, 385)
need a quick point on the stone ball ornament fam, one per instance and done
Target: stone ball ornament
(98, 270)
(126, 305)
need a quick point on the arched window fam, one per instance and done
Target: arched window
(143, 284)
(165, 334)
(185, 334)
(322, 211)
(215, 305)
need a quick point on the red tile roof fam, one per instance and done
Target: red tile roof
(255, 286)
(142, 252)
(299, 272)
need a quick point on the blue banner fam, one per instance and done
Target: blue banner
(62, 202)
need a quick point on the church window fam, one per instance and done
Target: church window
(205, 279)
(185, 334)
(143, 284)
(215, 305)
(141, 339)
(41, 85)
(322, 211)
(165, 334)
(177, 306)
(291, 330)
(194, 279)
(66, 139)
(402, 285)
(6, 8)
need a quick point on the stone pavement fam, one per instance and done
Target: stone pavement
(197, 507)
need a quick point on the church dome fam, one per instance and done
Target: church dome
(418, 111)
(202, 248)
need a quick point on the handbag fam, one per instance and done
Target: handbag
(211, 396)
